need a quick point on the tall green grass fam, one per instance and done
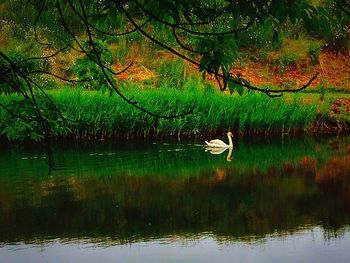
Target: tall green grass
(172, 72)
(95, 113)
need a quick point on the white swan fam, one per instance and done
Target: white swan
(220, 144)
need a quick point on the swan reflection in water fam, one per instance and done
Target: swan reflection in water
(215, 150)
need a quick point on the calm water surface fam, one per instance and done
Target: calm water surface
(266, 201)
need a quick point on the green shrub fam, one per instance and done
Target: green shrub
(88, 72)
(287, 60)
(172, 72)
(314, 51)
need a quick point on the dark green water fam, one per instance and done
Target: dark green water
(271, 201)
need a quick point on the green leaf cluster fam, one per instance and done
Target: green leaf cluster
(88, 71)
(237, 84)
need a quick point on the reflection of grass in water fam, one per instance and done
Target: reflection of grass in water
(181, 161)
(189, 193)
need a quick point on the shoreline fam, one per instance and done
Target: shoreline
(315, 131)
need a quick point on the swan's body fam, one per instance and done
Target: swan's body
(220, 144)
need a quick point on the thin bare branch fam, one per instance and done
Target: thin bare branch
(43, 2)
(66, 27)
(183, 46)
(126, 68)
(44, 57)
(59, 77)
(50, 100)
(101, 31)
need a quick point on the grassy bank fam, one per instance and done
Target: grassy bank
(94, 114)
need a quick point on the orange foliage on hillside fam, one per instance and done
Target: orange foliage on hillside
(334, 71)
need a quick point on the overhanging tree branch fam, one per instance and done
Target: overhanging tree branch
(99, 63)
(43, 2)
(200, 33)
(267, 91)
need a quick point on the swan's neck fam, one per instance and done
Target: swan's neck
(230, 141)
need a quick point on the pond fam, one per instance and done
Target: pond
(269, 200)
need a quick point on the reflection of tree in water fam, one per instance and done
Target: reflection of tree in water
(227, 201)
(330, 234)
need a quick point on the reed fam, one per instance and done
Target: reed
(97, 114)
